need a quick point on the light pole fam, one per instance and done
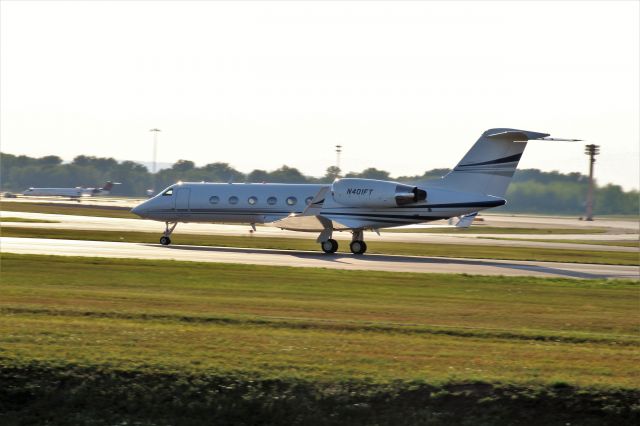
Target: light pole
(338, 151)
(591, 150)
(155, 151)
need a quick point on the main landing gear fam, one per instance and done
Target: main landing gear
(165, 240)
(357, 246)
(329, 246)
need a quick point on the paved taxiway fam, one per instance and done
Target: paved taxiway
(312, 259)
(490, 218)
(72, 222)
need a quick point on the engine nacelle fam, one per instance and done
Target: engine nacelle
(355, 192)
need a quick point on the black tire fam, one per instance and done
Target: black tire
(364, 247)
(330, 246)
(165, 241)
(358, 247)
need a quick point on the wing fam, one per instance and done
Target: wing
(315, 223)
(269, 219)
(318, 223)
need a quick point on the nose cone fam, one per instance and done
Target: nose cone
(139, 210)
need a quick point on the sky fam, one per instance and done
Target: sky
(402, 86)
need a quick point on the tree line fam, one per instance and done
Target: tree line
(532, 190)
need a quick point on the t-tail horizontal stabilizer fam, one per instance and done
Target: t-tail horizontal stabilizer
(525, 136)
(560, 139)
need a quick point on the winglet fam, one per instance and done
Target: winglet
(466, 220)
(315, 205)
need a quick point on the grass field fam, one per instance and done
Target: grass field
(482, 229)
(280, 314)
(26, 220)
(618, 243)
(77, 210)
(430, 342)
(382, 247)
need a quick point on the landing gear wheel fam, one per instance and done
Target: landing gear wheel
(329, 246)
(168, 230)
(358, 247)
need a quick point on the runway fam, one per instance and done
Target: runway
(313, 259)
(72, 222)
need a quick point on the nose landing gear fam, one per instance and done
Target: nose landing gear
(165, 240)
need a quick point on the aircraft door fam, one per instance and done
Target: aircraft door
(182, 199)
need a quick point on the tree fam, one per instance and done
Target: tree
(103, 164)
(183, 165)
(81, 160)
(332, 173)
(428, 175)
(221, 172)
(50, 160)
(286, 174)
(258, 176)
(532, 190)
(371, 173)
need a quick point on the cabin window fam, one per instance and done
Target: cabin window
(168, 192)
(308, 200)
(252, 200)
(214, 199)
(233, 200)
(292, 201)
(272, 200)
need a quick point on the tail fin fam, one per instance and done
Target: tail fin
(107, 186)
(489, 165)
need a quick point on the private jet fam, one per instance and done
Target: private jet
(479, 181)
(76, 192)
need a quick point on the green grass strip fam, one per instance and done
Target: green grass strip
(380, 247)
(22, 219)
(74, 210)
(482, 229)
(317, 324)
(616, 243)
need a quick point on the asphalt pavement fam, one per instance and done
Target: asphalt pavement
(313, 259)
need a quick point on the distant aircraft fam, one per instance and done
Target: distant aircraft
(69, 192)
(478, 182)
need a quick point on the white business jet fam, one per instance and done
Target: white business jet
(478, 182)
(70, 192)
